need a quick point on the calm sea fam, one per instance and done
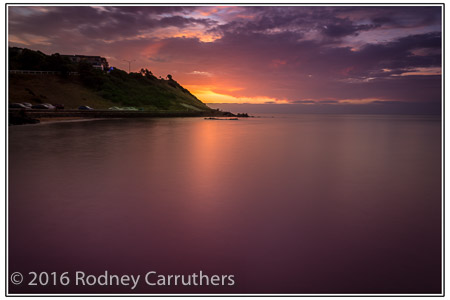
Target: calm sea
(289, 204)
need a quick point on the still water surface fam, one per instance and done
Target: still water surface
(291, 204)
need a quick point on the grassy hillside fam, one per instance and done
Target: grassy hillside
(112, 91)
(53, 89)
(96, 88)
(143, 90)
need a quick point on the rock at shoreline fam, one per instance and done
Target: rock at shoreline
(243, 115)
(21, 118)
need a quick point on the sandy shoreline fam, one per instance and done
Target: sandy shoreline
(62, 119)
(18, 117)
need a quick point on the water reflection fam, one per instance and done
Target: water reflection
(294, 204)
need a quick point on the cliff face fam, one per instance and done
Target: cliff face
(76, 84)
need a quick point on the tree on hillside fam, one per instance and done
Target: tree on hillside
(147, 74)
(56, 62)
(28, 60)
(89, 76)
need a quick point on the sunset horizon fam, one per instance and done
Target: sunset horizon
(308, 55)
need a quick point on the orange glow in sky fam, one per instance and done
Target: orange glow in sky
(208, 95)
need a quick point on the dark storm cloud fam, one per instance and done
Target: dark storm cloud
(343, 28)
(105, 23)
(328, 101)
(334, 22)
(272, 18)
(396, 56)
(179, 21)
(152, 10)
(115, 27)
(391, 16)
(303, 102)
(51, 22)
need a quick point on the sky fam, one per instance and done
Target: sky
(312, 56)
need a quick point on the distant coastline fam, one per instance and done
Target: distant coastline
(391, 108)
